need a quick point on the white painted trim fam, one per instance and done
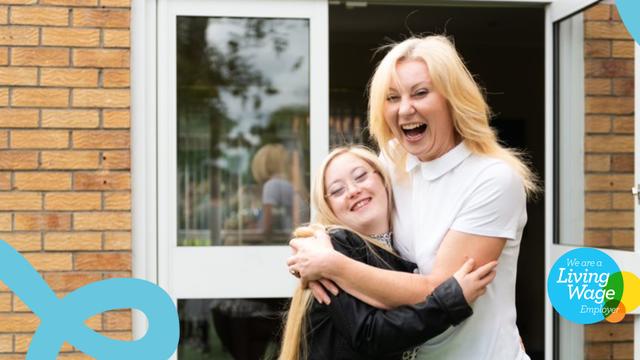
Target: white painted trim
(165, 153)
(143, 148)
(319, 110)
(251, 272)
(563, 8)
(548, 181)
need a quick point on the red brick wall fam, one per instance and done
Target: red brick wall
(64, 153)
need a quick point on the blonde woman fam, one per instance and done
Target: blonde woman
(282, 206)
(458, 194)
(353, 199)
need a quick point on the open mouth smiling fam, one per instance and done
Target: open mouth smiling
(413, 130)
(358, 205)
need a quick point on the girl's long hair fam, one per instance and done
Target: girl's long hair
(451, 78)
(294, 342)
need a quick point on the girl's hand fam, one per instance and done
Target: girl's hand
(319, 290)
(474, 282)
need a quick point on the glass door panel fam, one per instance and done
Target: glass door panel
(230, 329)
(243, 129)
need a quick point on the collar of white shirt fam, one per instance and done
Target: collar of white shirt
(434, 169)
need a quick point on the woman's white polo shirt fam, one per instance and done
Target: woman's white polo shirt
(473, 194)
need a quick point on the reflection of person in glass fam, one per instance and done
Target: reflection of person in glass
(352, 194)
(282, 205)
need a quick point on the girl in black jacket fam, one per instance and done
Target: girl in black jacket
(353, 199)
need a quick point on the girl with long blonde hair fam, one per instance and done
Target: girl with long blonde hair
(458, 193)
(353, 201)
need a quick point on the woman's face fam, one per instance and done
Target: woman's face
(417, 115)
(356, 194)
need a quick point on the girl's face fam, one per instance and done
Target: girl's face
(418, 116)
(356, 194)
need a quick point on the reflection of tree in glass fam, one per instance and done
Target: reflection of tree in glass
(205, 70)
(208, 132)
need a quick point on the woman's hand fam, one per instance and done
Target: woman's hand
(474, 282)
(311, 255)
(311, 247)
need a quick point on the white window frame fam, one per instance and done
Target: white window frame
(256, 271)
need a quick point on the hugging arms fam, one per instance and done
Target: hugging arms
(316, 259)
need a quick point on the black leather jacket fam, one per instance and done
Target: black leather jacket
(350, 329)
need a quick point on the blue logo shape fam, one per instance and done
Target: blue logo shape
(582, 285)
(63, 319)
(630, 13)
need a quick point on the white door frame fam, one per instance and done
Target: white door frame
(144, 175)
(256, 271)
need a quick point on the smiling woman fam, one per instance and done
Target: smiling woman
(418, 116)
(356, 195)
(352, 195)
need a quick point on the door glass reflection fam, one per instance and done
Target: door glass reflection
(233, 329)
(243, 129)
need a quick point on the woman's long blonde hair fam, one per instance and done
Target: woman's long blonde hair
(270, 160)
(294, 343)
(451, 78)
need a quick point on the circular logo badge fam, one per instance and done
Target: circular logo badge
(585, 286)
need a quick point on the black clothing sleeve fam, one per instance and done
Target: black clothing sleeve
(378, 333)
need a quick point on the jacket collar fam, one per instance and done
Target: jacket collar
(434, 169)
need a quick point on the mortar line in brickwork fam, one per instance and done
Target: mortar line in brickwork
(70, 99)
